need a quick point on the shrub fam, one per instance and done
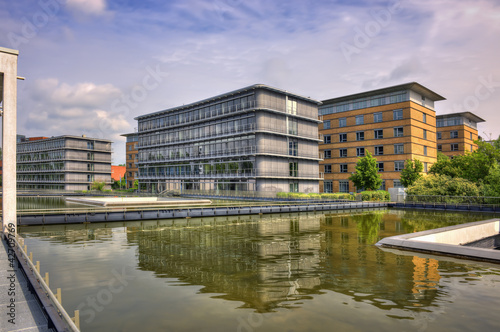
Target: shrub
(377, 195)
(443, 185)
(282, 194)
(314, 196)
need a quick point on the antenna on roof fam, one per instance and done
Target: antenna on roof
(488, 137)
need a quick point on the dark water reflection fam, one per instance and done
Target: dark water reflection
(324, 267)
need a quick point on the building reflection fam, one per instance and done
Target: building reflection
(282, 260)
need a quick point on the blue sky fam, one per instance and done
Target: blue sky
(91, 66)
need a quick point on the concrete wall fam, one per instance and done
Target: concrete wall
(8, 95)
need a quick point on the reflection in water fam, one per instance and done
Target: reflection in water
(287, 261)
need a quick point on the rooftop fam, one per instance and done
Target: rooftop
(467, 115)
(212, 99)
(402, 87)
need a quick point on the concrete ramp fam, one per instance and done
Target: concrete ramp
(469, 241)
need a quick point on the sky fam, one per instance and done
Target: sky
(92, 66)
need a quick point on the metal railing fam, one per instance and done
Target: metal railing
(72, 323)
(451, 202)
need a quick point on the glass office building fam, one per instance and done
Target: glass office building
(256, 138)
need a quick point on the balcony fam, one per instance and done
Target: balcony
(233, 174)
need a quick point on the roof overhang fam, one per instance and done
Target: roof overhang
(468, 115)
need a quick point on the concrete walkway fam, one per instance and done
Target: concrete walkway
(27, 314)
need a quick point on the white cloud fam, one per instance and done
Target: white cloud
(87, 7)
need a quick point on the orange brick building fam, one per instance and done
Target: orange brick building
(394, 124)
(456, 133)
(131, 155)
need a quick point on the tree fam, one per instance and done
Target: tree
(444, 166)
(443, 185)
(98, 185)
(366, 175)
(411, 172)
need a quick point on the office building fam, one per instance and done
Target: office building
(394, 124)
(63, 163)
(456, 133)
(131, 158)
(256, 138)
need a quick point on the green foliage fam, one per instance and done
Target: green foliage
(491, 184)
(443, 185)
(119, 184)
(411, 172)
(136, 184)
(338, 196)
(314, 196)
(378, 195)
(282, 195)
(98, 185)
(366, 175)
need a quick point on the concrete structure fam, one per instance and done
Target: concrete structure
(8, 109)
(256, 138)
(131, 158)
(63, 163)
(394, 124)
(456, 133)
(451, 241)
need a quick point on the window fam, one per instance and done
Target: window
(439, 135)
(343, 168)
(440, 147)
(328, 154)
(342, 138)
(293, 125)
(425, 151)
(470, 136)
(397, 184)
(294, 169)
(454, 147)
(377, 117)
(327, 139)
(471, 148)
(380, 167)
(360, 119)
(360, 136)
(326, 124)
(425, 167)
(398, 131)
(344, 186)
(328, 168)
(425, 134)
(398, 166)
(342, 153)
(378, 133)
(453, 134)
(379, 150)
(342, 122)
(291, 106)
(360, 152)
(294, 187)
(293, 147)
(397, 114)
(382, 187)
(424, 117)
(398, 148)
(90, 145)
(328, 187)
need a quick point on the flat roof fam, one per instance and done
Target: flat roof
(129, 134)
(8, 50)
(402, 87)
(69, 136)
(468, 115)
(214, 98)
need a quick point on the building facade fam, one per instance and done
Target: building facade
(256, 138)
(393, 124)
(456, 133)
(131, 158)
(63, 163)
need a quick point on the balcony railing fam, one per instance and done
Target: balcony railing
(231, 174)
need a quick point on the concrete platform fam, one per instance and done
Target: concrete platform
(137, 201)
(458, 241)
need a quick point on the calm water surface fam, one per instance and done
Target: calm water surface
(293, 272)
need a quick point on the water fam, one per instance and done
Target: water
(294, 272)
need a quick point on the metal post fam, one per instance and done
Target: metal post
(8, 98)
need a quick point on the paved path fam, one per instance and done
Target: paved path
(28, 316)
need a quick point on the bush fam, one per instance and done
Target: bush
(443, 185)
(377, 195)
(337, 196)
(314, 196)
(282, 195)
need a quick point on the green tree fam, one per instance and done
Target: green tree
(491, 184)
(443, 185)
(411, 172)
(443, 166)
(366, 175)
(98, 185)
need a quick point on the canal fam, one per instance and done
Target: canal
(293, 272)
